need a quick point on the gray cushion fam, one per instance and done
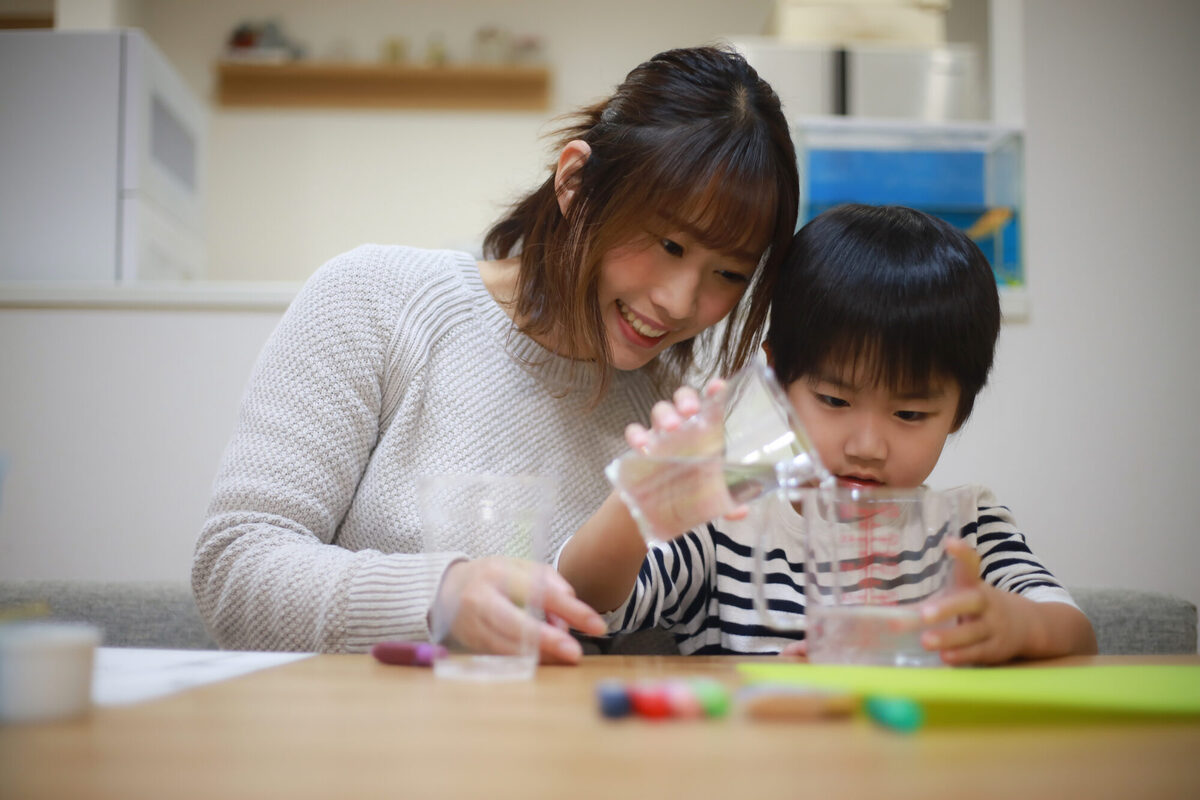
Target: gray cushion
(131, 614)
(1132, 622)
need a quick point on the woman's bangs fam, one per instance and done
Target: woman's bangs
(726, 203)
(735, 214)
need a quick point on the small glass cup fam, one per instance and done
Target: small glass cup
(744, 442)
(489, 515)
(870, 558)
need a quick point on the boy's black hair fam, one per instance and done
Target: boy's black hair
(904, 294)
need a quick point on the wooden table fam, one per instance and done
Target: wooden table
(346, 726)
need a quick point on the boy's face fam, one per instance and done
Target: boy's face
(867, 434)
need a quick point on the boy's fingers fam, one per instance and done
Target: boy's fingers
(687, 402)
(966, 563)
(958, 604)
(663, 416)
(799, 648)
(740, 512)
(964, 554)
(637, 437)
(956, 638)
(977, 653)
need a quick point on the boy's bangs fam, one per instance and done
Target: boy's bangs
(867, 357)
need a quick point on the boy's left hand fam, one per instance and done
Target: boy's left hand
(992, 625)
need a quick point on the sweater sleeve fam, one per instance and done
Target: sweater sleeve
(267, 573)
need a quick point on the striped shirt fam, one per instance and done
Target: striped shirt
(699, 587)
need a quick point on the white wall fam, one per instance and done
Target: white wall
(113, 421)
(288, 190)
(1089, 429)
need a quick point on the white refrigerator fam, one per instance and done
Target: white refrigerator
(102, 155)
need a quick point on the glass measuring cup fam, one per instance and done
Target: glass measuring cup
(744, 442)
(870, 558)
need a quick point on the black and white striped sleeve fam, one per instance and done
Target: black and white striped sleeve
(1006, 559)
(672, 589)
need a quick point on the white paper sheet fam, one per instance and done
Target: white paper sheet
(123, 675)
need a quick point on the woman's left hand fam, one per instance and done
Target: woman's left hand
(481, 602)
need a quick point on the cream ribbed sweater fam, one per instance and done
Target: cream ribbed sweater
(392, 362)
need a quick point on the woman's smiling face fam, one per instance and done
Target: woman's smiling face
(662, 289)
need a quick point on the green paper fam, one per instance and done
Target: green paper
(1056, 693)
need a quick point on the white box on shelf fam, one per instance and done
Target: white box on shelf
(844, 21)
(933, 84)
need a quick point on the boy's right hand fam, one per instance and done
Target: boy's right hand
(666, 417)
(697, 437)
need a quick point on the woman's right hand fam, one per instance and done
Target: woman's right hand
(481, 602)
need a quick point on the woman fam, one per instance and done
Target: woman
(667, 210)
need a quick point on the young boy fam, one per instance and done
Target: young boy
(882, 331)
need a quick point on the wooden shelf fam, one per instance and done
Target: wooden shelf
(332, 85)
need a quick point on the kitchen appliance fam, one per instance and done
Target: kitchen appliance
(102, 153)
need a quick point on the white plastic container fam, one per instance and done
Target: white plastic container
(46, 670)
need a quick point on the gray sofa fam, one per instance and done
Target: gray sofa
(163, 615)
(131, 614)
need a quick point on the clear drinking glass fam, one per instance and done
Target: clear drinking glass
(489, 515)
(870, 558)
(744, 442)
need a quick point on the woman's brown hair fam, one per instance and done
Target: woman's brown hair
(692, 137)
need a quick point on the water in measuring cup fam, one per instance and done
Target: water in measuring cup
(877, 635)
